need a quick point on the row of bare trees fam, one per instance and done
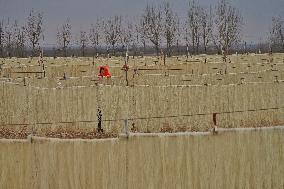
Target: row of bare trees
(159, 26)
(219, 26)
(109, 32)
(14, 38)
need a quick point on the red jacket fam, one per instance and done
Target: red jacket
(104, 71)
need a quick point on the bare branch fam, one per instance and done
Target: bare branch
(34, 30)
(112, 29)
(19, 39)
(128, 34)
(64, 36)
(194, 21)
(83, 41)
(229, 23)
(276, 37)
(95, 35)
(206, 26)
(170, 27)
(151, 25)
(1, 38)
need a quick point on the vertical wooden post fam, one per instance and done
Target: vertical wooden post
(43, 70)
(215, 123)
(126, 127)
(127, 55)
(125, 67)
(276, 79)
(99, 115)
(215, 119)
(25, 81)
(187, 51)
(126, 77)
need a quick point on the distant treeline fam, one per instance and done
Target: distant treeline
(158, 30)
(149, 51)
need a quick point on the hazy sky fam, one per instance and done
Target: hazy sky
(257, 13)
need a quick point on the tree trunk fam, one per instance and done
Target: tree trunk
(157, 49)
(113, 51)
(177, 48)
(193, 45)
(83, 50)
(197, 44)
(168, 50)
(204, 44)
(33, 50)
(144, 48)
(64, 48)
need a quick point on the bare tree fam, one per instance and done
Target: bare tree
(112, 29)
(194, 25)
(206, 27)
(19, 40)
(8, 38)
(277, 33)
(170, 27)
(83, 41)
(12, 39)
(1, 38)
(151, 25)
(178, 35)
(187, 40)
(135, 42)
(127, 35)
(95, 35)
(135, 29)
(64, 36)
(140, 37)
(228, 26)
(34, 30)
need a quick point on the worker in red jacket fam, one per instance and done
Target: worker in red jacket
(104, 72)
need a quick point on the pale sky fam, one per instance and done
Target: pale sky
(257, 13)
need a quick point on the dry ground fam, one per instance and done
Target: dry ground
(60, 97)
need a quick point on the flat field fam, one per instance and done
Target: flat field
(61, 97)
